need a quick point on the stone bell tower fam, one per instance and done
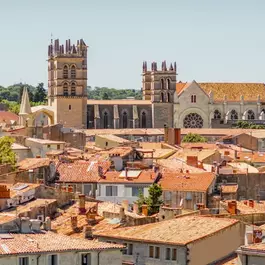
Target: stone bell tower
(67, 83)
(159, 86)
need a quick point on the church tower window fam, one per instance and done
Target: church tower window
(65, 89)
(73, 72)
(168, 83)
(234, 115)
(143, 120)
(251, 115)
(217, 114)
(162, 84)
(193, 99)
(162, 97)
(73, 89)
(105, 120)
(65, 72)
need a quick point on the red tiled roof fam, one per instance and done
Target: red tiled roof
(229, 188)
(180, 231)
(146, 176)
(32, 163)
(255, 157)
(49, 242)
(187, 182)
(82, 171)
(6, 117)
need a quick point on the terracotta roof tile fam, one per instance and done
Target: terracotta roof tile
(187, 182)
(180, 231)
(145, 176)
(82, 171)
(48, 242)
(226, 188)
(7, 117)
(255, 157)
(233, 91)
(121, 151)
(33, 163)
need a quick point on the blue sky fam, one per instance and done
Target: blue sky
(214, 41)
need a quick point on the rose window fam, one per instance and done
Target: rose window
(193, 120)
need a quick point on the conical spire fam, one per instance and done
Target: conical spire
(25, 105)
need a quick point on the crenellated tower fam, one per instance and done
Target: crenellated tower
(159, 85)
(67, 82)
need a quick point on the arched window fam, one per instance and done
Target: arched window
(143, 120)
(251, 115)
(193, 99)
(168, 83)
(73, 89)
(217, 114)
(105, 120)
(124, 120)
(162, 97)
(65, 89)
(234, 115)
(73, 72)
(162, 84)
(65, 72)
(168, 97)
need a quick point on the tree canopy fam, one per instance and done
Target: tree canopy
(112, 93)
(248, 125)
(11, 95)
(153, 201)
(194, 138)
(7, 155)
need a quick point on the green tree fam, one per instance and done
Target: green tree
(153, 201)
(194, 138)
(105, 96)
(7, 155)
(40, 93)
(248, 125)
(141, 200)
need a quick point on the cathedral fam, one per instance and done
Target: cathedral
(165, 102)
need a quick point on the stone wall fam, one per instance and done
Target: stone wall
(162, 115)
(62, 197)
(249, 185)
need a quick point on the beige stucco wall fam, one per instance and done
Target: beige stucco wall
(111, 257)
(217, 246)
(252, 259)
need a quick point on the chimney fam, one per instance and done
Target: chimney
(125, 205)
(177, 136)
(192, 161)
(232, 207)
(25, 225)
(74, 222)
(251, 203)
(35, 225)
(87, 232)
(82, 204)
(144, 210)
(122, 214)
(48, 224)
(257, 236)
(135, 208)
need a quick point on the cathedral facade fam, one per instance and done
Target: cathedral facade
(165, 102)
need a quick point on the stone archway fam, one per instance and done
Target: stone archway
(193, 120)
(42, 109)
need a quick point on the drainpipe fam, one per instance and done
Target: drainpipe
(38, 259)
(98, 257)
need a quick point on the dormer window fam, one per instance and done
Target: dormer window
(193, 98)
